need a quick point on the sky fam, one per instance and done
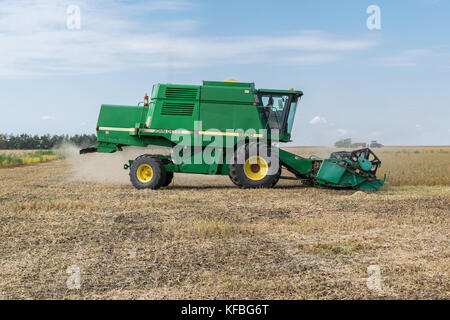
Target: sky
(390, 83)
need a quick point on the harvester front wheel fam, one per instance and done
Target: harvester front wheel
(261, 170)
(147, 172)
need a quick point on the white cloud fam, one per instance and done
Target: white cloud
(173, 5)
(416, 57)
(115, 36)
(342, 132)
(46, 118)
(180, 26)
(318, 120)
(311, 59)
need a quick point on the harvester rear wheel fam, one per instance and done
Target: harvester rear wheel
(261, 170)
(168, 179)
(147, 172)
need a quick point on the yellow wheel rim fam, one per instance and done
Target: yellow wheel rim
(256, 168)
(144, 173)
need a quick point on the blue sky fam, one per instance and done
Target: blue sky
(391, 85)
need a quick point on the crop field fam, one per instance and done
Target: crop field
(9, 158)
(203, 238)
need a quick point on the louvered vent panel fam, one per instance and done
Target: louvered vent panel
(177, 109)
(181, 93)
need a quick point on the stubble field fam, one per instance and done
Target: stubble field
(203, 238)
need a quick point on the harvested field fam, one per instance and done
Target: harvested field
(203, 238)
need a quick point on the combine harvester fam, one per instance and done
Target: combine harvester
(233, 123)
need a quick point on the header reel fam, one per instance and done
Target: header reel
(368, 162)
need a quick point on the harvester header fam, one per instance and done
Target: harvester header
(223, 128)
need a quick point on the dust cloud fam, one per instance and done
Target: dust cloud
(108, 167)
(103, 167)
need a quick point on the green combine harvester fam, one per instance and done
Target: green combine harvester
(224, 128)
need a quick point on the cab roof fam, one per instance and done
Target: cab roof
(251, 85)
(297, 92)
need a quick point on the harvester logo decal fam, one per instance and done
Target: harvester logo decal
(182, 131)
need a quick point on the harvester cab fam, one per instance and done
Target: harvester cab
(279, 107)
(223, 128)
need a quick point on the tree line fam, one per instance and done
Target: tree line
(47, 141)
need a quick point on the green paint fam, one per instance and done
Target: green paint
(298, 164)
(330, 172)
(365, 164)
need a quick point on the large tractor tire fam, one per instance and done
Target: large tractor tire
(147, 172)
(258, 170)
(168, 179)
